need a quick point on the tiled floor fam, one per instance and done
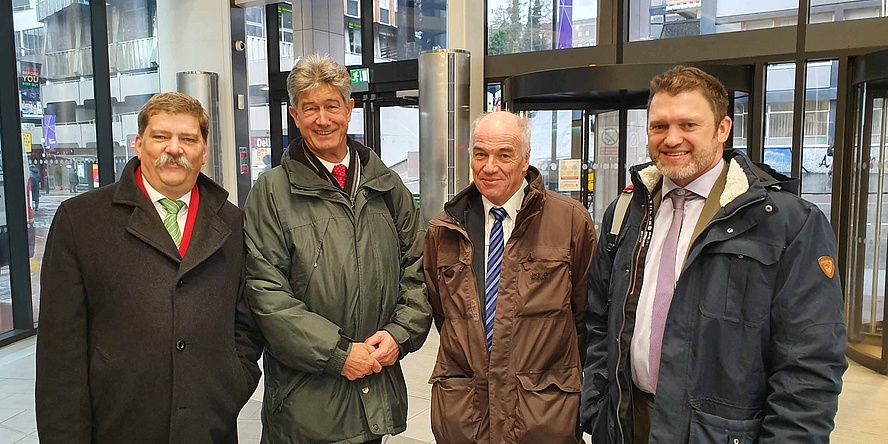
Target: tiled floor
(863, 405)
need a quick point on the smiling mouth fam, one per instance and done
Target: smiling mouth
(324, 133)
(675, 154)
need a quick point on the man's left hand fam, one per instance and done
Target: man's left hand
(387, 350)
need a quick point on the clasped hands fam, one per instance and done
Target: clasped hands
(368, 357)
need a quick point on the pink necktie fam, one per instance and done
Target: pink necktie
(666, 281)
(339, 174)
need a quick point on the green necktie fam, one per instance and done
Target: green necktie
(170, 222)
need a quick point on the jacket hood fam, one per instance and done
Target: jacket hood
(534, 194)
(743, 174)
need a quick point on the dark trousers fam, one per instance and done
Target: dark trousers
(374, 441)
(642, 408)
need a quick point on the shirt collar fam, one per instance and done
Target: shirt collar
(512, 206)
(155, 195)
(701, 186)
(345, 161)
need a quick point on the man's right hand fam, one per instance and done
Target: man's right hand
(359, 362)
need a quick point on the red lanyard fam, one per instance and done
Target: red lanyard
(192, 212)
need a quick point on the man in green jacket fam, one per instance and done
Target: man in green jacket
(334, 275)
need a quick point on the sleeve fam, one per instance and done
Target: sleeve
(63, 404)
(413, 314)
(430, 270)
(299, 338)
(808, 339)
(584, 242)
(248, 340)
(595, 377)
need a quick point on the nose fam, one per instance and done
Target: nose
(490, 165)
(322, 118)
(174, 147)
(673, 137)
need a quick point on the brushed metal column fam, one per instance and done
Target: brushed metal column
(204, 86)
(444, 127)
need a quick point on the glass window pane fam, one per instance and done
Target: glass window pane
(399, 144)
(660, 19)
(820, 125)
(402, 29)
(780, 86)
(576, 23)
(740, 126)
(257, 78)
(6, 322)
(515, 26)
(134, 62)
(822, 11)
(58, 107)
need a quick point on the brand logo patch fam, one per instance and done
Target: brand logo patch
(539, 277)
(827, 266)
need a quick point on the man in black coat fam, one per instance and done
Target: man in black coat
(145, 335)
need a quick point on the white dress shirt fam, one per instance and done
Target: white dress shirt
(345, 162)
(155, 196)
(512, 206)
(641, 339)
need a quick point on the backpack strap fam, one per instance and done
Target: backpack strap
(620, 213)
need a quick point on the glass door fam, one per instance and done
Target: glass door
(865, 288)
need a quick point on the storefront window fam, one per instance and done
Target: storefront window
(515, 26)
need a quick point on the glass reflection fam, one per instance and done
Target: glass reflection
(515, 26)
(662, 19)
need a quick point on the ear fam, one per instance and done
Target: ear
(206, 154)
(294, 114)
(724, 129)
(351, 106)
(139, 146)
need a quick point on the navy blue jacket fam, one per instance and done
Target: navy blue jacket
(753, 349)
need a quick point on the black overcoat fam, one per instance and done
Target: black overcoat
(136, 344)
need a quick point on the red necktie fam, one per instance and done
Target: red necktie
(339, 174)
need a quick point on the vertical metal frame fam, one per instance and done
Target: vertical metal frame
(14, 172)
(368, 25)
(102, 91)
(273, 51)
(241, 89)
(756, 140)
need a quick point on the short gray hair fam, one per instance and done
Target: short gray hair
(314, 72)
(523, 128)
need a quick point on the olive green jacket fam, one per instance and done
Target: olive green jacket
(322, 265)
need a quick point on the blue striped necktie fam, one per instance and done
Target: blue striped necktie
(494, 266)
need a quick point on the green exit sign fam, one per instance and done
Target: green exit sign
(360, 75)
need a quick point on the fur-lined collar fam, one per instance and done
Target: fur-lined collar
(737, 183)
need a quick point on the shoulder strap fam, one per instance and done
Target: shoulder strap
(619, 216)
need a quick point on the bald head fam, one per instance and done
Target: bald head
(504, 123)
(500, 154)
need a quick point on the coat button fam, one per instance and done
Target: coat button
(740, 256)
(768, 208)
(365, 390)
(181, 345)
(375, 427)
(736, 441)
(180, 283)
(730, 230)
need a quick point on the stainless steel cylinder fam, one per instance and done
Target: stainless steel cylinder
(444, 144)
(204, 86)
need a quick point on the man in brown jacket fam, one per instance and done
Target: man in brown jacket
(506, 268)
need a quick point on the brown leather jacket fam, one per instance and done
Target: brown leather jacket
(528, 391)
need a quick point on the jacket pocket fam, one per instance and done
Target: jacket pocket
(455, 418)
(544, 282)
(707, 428)
(548, 403)
(744, 274)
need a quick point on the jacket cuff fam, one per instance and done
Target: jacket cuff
(337, 360)
(400, 335)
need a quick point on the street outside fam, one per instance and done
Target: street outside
(48, 205)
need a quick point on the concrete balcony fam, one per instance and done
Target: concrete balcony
(126, 56)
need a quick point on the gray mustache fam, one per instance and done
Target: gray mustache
(166, 159)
